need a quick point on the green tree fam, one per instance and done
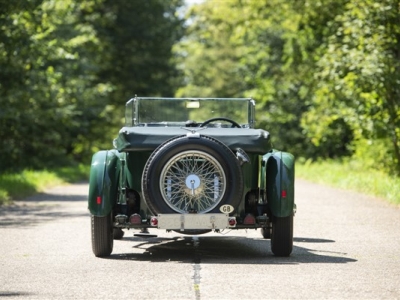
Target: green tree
(45, 81)
(66, 68)
(358, 81)
(136, 42)
(210, 65)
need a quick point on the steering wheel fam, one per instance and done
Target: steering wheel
(234, 124)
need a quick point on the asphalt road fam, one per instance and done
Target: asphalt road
(346, 246)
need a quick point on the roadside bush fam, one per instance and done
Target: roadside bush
(375, 154)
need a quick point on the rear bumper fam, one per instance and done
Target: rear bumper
(182, 222)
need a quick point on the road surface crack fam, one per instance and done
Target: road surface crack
(196, 268)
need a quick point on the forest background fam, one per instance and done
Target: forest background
(325, 73)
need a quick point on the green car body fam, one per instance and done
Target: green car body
(192, 165)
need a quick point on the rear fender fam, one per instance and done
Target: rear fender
(278, 182)
(103, 182)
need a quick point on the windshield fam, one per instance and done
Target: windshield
(181, 111)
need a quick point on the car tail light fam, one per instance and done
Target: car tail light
(249, 220)
(153, 221)
(135, 219)
(232, 222)
(98, 200)
(284, 193)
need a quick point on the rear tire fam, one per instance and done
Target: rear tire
(102, 235)
(282, 236)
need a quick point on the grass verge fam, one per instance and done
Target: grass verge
(28, 182)
(351, 175)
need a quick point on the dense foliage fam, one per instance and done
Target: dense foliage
(326, 71)
(68, 67)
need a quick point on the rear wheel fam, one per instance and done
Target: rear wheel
(282, 236)
(102, 235)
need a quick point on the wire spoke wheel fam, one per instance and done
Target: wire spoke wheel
(192, 181)
(192, 175)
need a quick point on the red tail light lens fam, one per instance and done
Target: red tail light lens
(153, 221)
(249, 220)
(98, 200)
(232, 222)
(135, 219)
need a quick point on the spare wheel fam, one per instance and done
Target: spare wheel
(192, 175)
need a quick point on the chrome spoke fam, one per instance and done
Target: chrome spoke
(192, 180)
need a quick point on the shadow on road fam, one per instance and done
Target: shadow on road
(15, 294)
(43, 197)
(59, 202)
(310, 240)
(224, 250)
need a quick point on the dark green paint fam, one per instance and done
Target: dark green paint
(104, 174)
(277, 176)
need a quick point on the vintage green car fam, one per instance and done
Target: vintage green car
(191, 165)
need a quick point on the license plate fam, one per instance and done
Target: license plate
(193, 221)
